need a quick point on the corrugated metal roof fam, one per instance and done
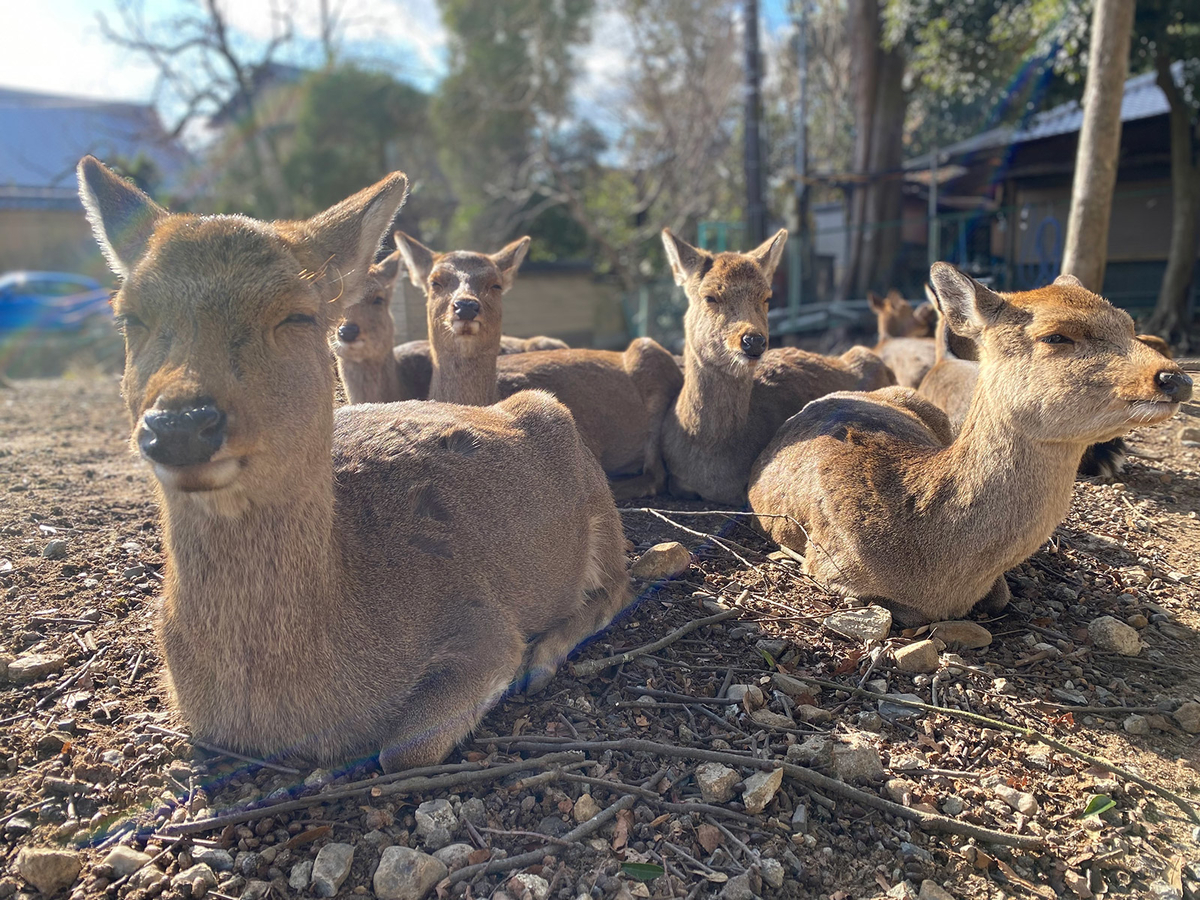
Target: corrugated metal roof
(43, 136)
(1143, 99)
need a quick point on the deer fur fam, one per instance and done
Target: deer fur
(885, 506)
(736, 393)
(510, 344)
(905, 336)
(338, 584)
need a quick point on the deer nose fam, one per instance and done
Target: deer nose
(182, 437)
(1175, 385)
(348, 332)
(754, 345)
(466, 309)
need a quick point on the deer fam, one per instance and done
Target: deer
(950, 384)
(340, 584)
(371, 369)
(887, 504)
(905, 336)
(618, 399)
(736, 392)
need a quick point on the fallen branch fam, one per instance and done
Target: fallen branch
(587, 667)
(213, 748)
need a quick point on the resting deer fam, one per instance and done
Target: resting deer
(893, 509)
(905, 336)
(338, 584)
(618, 399)
(736, 393)
(950, 384)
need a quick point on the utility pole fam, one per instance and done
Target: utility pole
(756, 209)
(799, 11)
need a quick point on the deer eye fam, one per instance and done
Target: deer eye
(496, 287)
(128, 321)
(1056, 339)
(299, 319)
(434, 283)
(711, 298)
(378, 301)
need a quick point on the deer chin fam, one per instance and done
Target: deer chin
(1150, 412)
(212, 476)
(463, 328)
(351, 351)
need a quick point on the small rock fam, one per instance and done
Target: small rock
(47, 870)
(406, 874)
(856, 761)
(901, 891)
(34, 667)
(750, 695)
(1135, 724)
(793, 687)
(768, 719)
(953, 805)
(145, 876)
(436, 823)
(716, 782)
(125, 860)
(1160, 890)
(1137, 620)
(538, 887)
(1188, 717)
(760, 790)
(301, 875)
(899, 790)
(217, 859)
(1021, 801)
(814, 715)
(331, 867)
(931, 890)
(738, 888)
(55, 550)
(474, 811)
(454, 856)
(868, 720)
(1078, 883)
(814, 750)
(911, 851)
(772, 872)
(919, 657)
(200, 878)
(585, 808)
(895, 712)
(256, 889)
(871, 623)
(1108, 633)
(665, 560)
(961, 634)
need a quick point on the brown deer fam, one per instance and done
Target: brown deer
(905, 336)
(618, 399)
(338, 584)
(736, 393)
(886, 506)
(510, 344)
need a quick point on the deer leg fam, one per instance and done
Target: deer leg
(997, 598)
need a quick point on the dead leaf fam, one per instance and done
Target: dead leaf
(709, 837)
(621, 829)
(475, 857)
(641, 721)
(1174, 874)
(307, 837)
(654, 823)
(475, 756)
(715, 877)
(1038, 890)
(565, 806)
(850, 663)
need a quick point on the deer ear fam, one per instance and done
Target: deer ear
(340, 243)
(968, 307)
(388, 267)
(121, 216)
(877, 303)
(1068, 280)
(770, 252)
(685, 259)
(509, 260)
(418, 258)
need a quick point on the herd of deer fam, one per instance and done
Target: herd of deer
(369, 580)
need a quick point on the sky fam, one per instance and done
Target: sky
(56, 46)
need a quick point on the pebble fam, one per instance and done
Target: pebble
(814, 715)
(738, 888)
(814, 750)
(856, 761)
(793, 687)
(760, 790)
(331, 867)
(1135, 724)
(55, 550)
(751, 694)
(899, 790)
(868, 720)
(871, 623)
(454, 856)
(768, 719)
(216, 858)
(34, 667)
(1108, 633)
(772, 872)
(1188, 717)
(960, 634)
(1021, 801)
(1160, 890)
(436, 823)
(406, 874)
(125, 860)
(895, 712)
(931, 890)
(301, 875)
(195, 877)
(901, 891)
(716, 782)
(538, 887)
(474, 811)
(1137, 620)
(47, 870)
(953, 805)
(919, 657)
(585, 808)
(665, 560)
(256, 889)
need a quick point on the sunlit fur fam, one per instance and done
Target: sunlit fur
(905, 336)
(731, 404)
(340, 585)
(882, 503)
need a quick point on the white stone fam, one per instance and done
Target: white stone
(917, 658)
(856, 761)
(585, 808)
(665, 560)
(871, 623)
(217, 859)
(1108, 633)
(454, 856)
(767, 719)
(931, 890)
(200, 878)
(716, 782)
(538, 887)
(1188, 717)
(125, 860)
(406, 874)
(33, 667)
(814, 750)
(772, 872)
(47, 870)
(1023, 802)
(1135, 724)
(760, 790)
(961, 634)
(301, 875)
(751, 694)
(794, 687)
(331, 867)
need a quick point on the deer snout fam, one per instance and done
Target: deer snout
(466, 310)
(348, 332)
(182, 437)
(1174, 384)
(754, 345)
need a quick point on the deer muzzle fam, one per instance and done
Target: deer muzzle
(187, 436)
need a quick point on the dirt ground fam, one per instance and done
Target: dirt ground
(91, 757)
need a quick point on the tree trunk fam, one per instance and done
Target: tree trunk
(865, 36)
(1099, 149)
(1170, 317)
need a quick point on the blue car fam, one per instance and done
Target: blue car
(50, 302)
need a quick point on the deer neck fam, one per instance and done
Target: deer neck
(376, 381)
(714, 403)
(457, 377)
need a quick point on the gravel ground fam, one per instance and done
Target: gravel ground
(750, 756)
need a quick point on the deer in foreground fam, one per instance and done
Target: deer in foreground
(339, 584)
(905, 336)
(950, 384)
(736, 393)
(618, 400)
(886, 506)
